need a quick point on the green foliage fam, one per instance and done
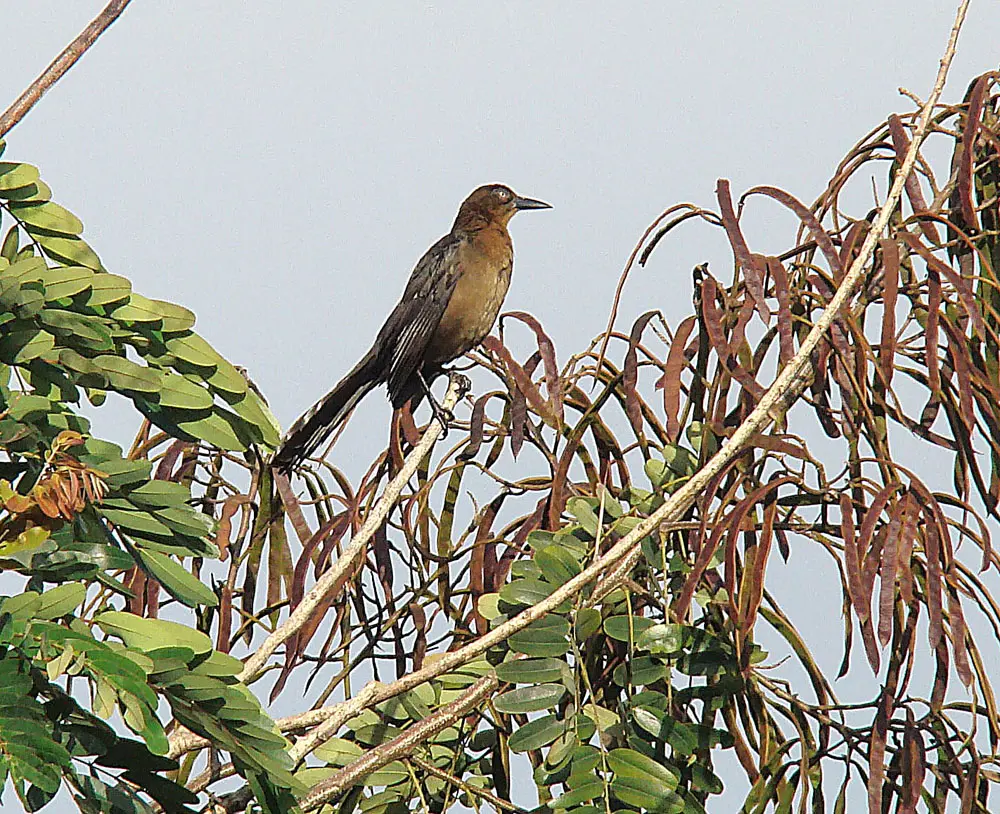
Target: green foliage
(46, 736)
(633, 743)
(78, 517)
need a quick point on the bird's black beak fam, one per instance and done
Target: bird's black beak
(529, 203)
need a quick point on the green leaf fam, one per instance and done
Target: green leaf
(21, 606)
(703, 779)
(194, 350)
(82, 329)
(529, 699)
(643, 671)
(123, 472)
(374, 734)
(227, 379)
(27, 269)
(10, 243)
(706, 663)
(338, 751)
(178, 581)
(591, 790)
(140, 524)
(679, 459)
(47, 215)
(175, 318)
(61, 600)
(602, 717)
(180, 393)
(123, 374)
(558, 565)
(252, 409)
(221, 665)
(525, 592)
(150, 634)
(23, 548)
(544, 637)
(20, 346)
(584, 514)
(70, 250)
(186, 520)
(14, 175)
(38, 191)
(66, 281)
(215, 430)
(108, 288)
(22, 405)
(645, 797)
(160, 494)
(642, 782)
(138, 309)
(663, 639)
(532, 671)
(536, 734)
(587, 623)
(629, 763)
(488, 606)
(626, 628)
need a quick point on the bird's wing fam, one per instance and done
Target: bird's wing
(409, 328)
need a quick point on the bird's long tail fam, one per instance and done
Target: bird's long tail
(316, 425)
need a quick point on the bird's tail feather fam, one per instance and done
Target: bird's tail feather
(316, 425)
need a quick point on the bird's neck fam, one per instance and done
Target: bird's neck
(472, 219)
(490, 237)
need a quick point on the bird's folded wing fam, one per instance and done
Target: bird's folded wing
(412, 324)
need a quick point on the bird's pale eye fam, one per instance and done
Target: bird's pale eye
(502, 195)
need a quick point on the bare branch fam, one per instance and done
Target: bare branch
(255, 664)
(400, 746)
(62, 63)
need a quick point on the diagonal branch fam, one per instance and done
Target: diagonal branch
(255, 664)
(62, 63)
(400, 746)
(184, 740)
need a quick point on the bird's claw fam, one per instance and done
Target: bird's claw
(443, 416)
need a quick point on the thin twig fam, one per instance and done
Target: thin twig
(499, 803)
(62, 63)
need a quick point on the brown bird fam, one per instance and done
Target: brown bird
(450, 304)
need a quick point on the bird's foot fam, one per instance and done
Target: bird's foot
(442, 415)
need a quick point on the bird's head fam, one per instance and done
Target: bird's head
(493, 204)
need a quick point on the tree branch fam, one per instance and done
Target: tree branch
(183, 740)
(254, 665)
(400, 746)
(62, 63)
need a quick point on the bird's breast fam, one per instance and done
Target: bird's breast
(473, 307)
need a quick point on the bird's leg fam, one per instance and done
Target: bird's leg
(440, 413)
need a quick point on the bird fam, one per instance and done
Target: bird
(449, 305)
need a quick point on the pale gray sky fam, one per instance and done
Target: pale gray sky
(280, 167)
